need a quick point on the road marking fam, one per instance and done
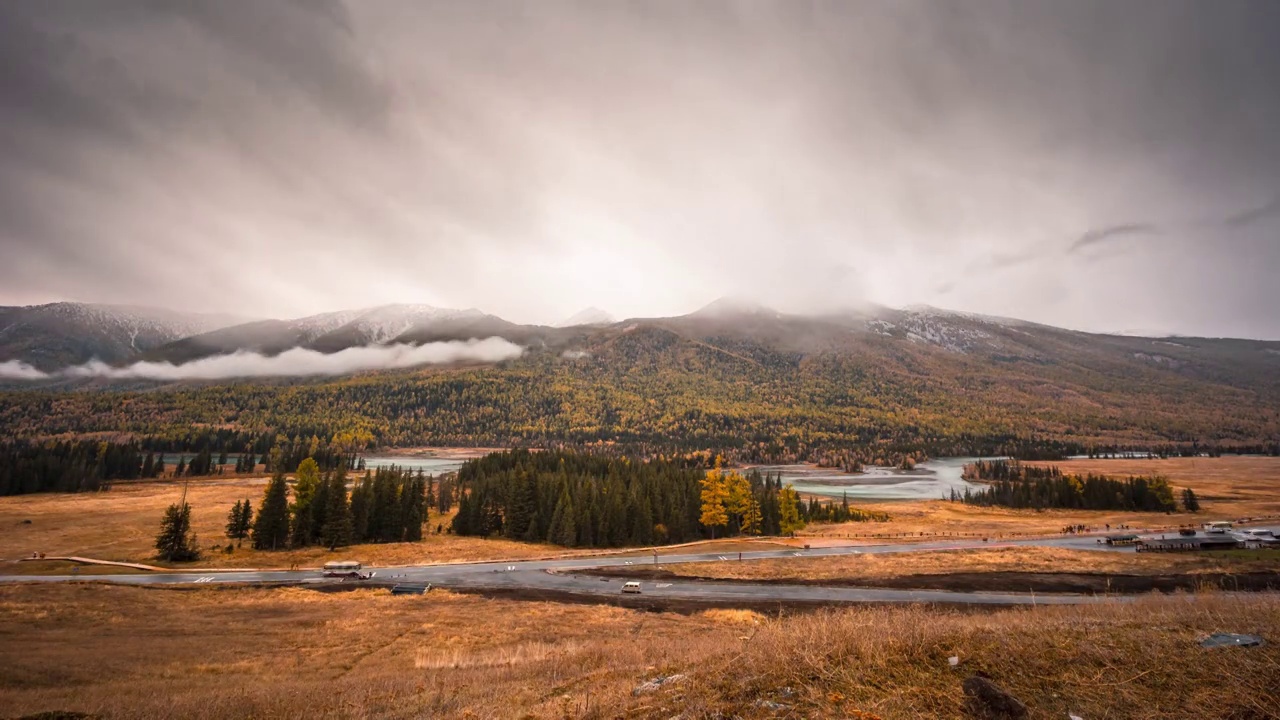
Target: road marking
(207, 578)
(663, 585)
(797, 554)
(723, 557)
(626, 562)
(511, 568)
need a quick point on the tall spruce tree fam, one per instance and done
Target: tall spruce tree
(271, 528)
(306, 484)
(176, 542)
(337, 529)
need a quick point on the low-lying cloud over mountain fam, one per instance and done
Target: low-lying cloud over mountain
(290, 363)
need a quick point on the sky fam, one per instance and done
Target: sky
(1106, 166)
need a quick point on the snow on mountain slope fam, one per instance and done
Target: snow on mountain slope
(378, 325)
(588, 316)
(68, 332)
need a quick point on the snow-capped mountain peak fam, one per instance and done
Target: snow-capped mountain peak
(588, 316)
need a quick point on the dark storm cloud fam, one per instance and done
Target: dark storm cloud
(1250, 216)
(1109, 234)
(288, 156)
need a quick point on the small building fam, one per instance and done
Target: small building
(1127, 539)
(1183, 543)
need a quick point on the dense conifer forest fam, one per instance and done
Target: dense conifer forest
(1015, 485)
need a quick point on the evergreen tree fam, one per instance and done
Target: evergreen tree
(361, 499)
(337, 528)
(1190, 502)
(175, 541)
(233, 521)
(305, 486)
(412, 508)
(240, 521)
(271, 529)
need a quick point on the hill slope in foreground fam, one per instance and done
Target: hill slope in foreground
(735, 377)
(369, 654)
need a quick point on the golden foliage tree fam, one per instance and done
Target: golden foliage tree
(789, 511)
(715, 493)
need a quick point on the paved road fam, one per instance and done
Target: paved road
(557, 576)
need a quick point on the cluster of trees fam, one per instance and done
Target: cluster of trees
(70, 466)
(387, 505)
(578, 499)
(582, 499)
(831, 512)
(751, 504)
(1015, 485)
(240, 520)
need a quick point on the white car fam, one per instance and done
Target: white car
(631, 587)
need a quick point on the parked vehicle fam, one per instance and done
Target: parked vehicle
(346, 570)
(631, 587)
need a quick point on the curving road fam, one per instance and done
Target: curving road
(557, 577)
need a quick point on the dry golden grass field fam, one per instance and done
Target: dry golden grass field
(1228, 488)
(291, 653)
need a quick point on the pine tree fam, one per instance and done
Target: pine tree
(271, 529)
(305, 486)
(337, 528)
(1190, 502)
(233, 521)
(175, 541)
(361, 498)
(751, 519)
(412, 509)
(562, 530)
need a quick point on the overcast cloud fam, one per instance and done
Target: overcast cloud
(1098, 165)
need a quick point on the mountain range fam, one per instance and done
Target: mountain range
(734, 373)
(53, 336)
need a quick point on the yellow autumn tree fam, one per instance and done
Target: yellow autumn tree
(741, 503)
(789, 511)
(715, 493)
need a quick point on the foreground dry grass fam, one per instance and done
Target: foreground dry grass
(229, 653)
(1228, 488)
(1014, 559)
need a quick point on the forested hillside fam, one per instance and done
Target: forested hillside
(762, 385)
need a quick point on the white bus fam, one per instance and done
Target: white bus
(342, 568)
(1217, 527)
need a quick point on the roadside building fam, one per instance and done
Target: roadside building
(1184, 543)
